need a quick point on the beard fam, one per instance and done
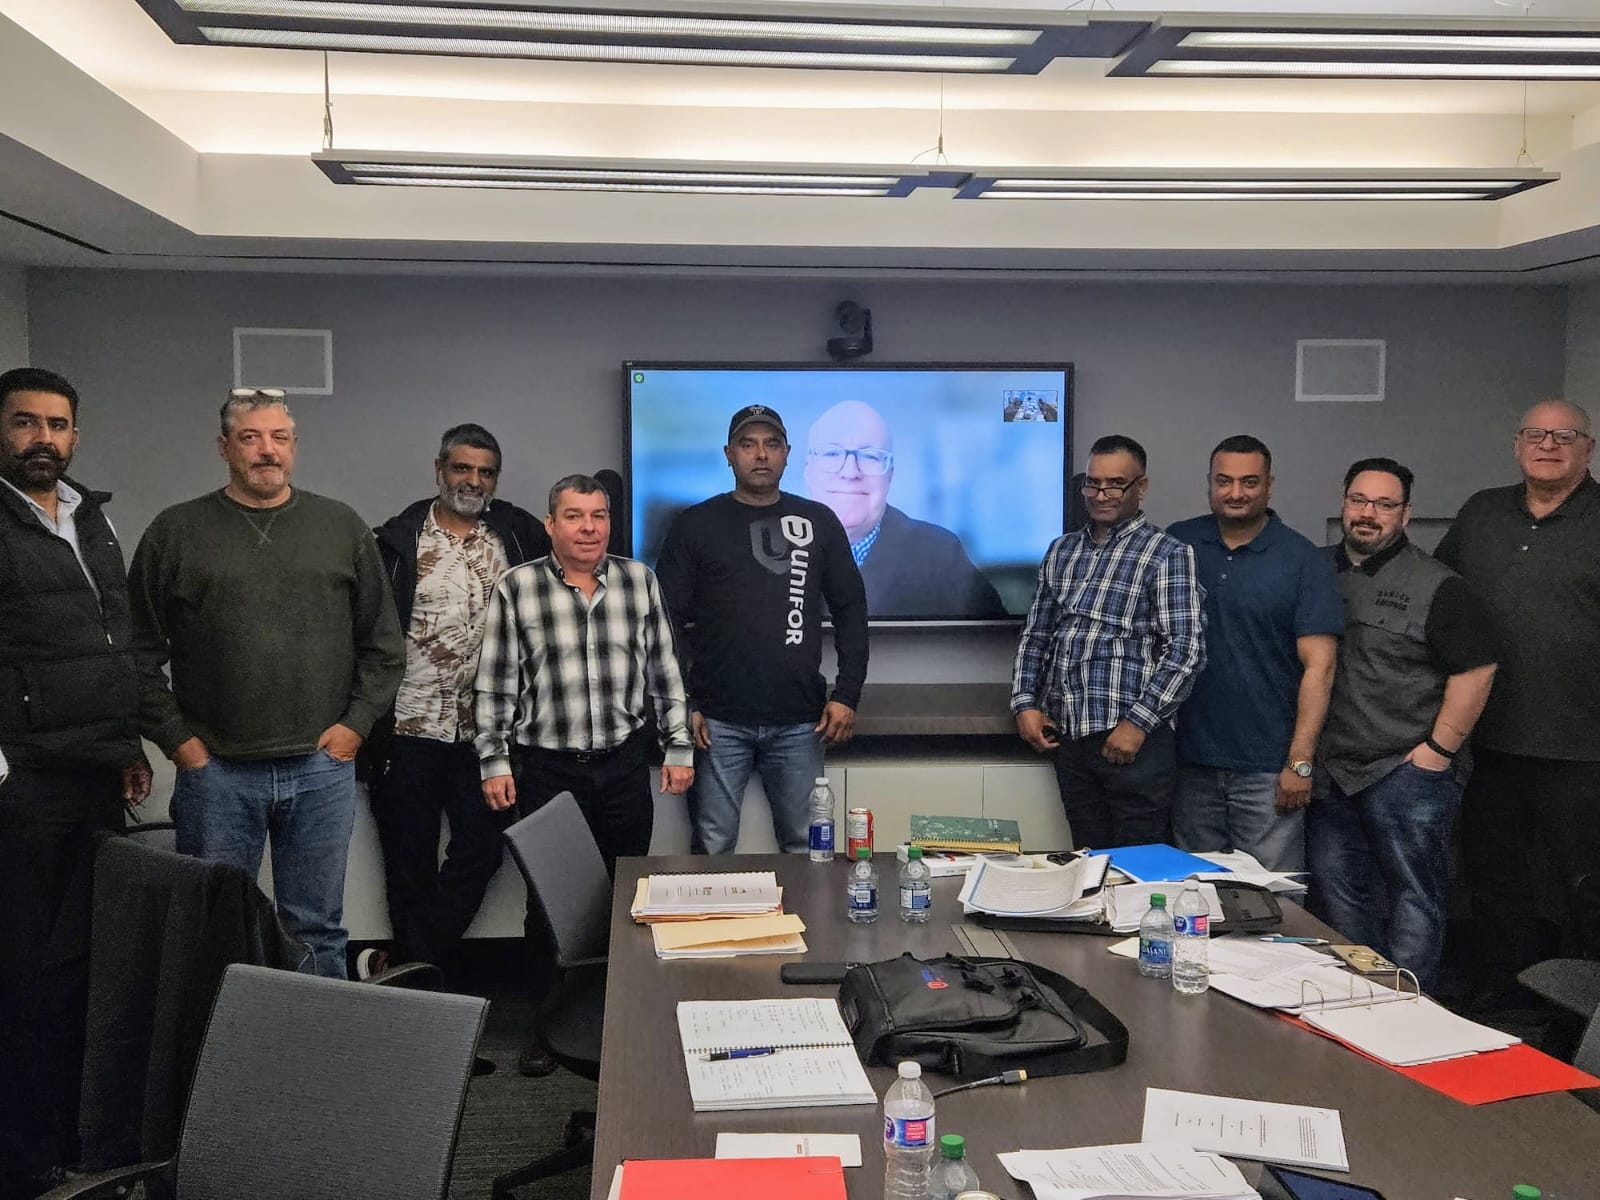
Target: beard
(463, 501)
(39, 470)
(1368, 540)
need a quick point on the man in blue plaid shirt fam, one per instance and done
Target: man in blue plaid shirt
(1110, 649)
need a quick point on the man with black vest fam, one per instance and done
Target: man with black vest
(1415, 666)
(69, 760)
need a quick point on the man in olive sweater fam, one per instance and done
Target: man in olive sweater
(270, 604)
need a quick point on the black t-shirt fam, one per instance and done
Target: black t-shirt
(745, 585)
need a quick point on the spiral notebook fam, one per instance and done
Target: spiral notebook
(812, 1060)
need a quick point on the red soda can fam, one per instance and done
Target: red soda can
(858, 829)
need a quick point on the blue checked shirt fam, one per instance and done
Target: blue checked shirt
(1116, 631)
(564, 672)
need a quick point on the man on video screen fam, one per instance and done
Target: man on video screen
(911, 568)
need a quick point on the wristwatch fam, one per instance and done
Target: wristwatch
(1301, 768)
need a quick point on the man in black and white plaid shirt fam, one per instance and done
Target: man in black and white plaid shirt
(577, 666)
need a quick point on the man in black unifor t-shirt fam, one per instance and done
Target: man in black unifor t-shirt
(745, 575)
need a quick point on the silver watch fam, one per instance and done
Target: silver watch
(1301, 768)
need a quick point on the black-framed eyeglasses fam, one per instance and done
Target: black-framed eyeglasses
(869, 460)
(1111, 491)
(1357, 501)
(1532, 435)
(252, 393)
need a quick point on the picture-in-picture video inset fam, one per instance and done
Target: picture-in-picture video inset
(949, 480)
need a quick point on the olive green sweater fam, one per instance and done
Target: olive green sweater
(277, 623)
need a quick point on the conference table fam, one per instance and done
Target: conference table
(1404, 1139)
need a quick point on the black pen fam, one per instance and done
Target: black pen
(725, 1055)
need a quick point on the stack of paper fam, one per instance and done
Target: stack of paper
(1030, 886)
(1293, 979)
(1292, 1134)
(1126, 903)
(694, 897)
(1243, 867)
(724, 938)
(743, 1054)
(1165, 1170)
(1413, 1031)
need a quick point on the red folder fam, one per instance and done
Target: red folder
(733, 1178)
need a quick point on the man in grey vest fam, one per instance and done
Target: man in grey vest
(1415, 665)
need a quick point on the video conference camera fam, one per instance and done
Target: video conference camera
(852, 327)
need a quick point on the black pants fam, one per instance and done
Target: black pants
(1530, 827)
(47, 822)
(431, 904)
(1110, 804)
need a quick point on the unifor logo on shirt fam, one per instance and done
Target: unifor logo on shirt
(782, 547)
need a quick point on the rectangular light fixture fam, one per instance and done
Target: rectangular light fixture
(682, 32)
(1364, 48)
(1081, 184)
(390, 169)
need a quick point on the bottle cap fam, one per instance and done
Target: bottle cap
(863, 853)
(910, 1069)
(1158, 900)
(952, 1145)
(913, 851)
(820, 779)
(1525, 1191)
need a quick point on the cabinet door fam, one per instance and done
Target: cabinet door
(1027, 794)
(893, 793)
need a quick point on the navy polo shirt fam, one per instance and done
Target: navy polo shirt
(1260, 597)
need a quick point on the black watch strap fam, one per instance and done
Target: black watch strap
(1438, 749)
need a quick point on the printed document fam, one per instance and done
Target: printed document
(1291, 1134)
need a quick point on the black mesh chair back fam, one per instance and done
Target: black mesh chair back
(566, 878)
(324, 1090)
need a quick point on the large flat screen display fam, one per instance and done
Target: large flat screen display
(949, 479)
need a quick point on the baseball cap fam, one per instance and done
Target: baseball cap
(753, 414)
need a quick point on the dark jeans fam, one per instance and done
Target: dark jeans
(431, 904)
(1380, 864)
(1530, 827)
(47, 822)
(1109, 804)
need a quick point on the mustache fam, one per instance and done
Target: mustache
(42, 452)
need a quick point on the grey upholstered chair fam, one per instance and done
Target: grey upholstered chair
(1573, 984)
(568, 885)
(319, 1090)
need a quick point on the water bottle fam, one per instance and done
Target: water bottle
(862, 890)
(952, 1174)
(1191, 930)
(916, 892)
(907, 1135)
(1155, 940)
(821, 821)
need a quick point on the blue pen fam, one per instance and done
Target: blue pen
(1295, 941)
(725, 1055)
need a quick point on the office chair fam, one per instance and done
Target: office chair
(317, 1089)
(1573, 984)
(568, 884)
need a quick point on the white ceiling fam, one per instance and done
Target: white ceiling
(156, 153)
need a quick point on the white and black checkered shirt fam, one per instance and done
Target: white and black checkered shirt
(563, 672)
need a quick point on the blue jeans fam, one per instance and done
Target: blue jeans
(1380, 864)
(788, 758)
(1233, 810)
(307, 802)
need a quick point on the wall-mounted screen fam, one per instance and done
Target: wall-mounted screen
(949, 479)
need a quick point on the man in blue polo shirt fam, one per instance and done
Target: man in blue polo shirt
(1248, 734)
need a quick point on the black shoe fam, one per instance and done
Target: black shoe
(535, 1061)
(482, 1066)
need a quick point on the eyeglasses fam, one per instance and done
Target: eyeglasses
(1357, 501)
(252, 393)
(831, 460)
(1532, 435)
(1111, 491)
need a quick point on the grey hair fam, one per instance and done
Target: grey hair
(238, 402)
(584, 485)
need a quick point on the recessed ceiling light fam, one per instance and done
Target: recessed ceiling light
(1322, 68)
(1190, 184)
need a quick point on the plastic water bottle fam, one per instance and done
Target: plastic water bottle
(1191, 931)
(821, 821)
(1155, 940)
(952, 1173)
(907, 1135)
(862, 890)
(916, 890)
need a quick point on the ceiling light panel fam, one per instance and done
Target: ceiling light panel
(990, 184)
(1392, 48)
(684, 32)
(369, 168)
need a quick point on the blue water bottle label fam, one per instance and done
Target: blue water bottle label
(908, 1133)
(1155, 951)
(863, 897)
(822, 837)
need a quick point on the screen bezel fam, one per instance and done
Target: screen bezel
(1287, 1177)
(1068, 404)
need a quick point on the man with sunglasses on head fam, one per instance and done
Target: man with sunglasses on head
(1110, 649)
(1531, 822)
(745, 575)
(910, 568)
(270, 603)
(1415, 665)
